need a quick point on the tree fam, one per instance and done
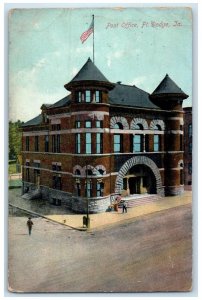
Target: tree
(14, 139)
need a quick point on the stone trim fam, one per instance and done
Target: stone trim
(136, 121)
(157, 122)
(118, 119)
(139, 160)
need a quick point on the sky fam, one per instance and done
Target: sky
(132, 45)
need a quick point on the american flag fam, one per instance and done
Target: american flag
(87, 33)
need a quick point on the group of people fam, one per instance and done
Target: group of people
(124, 204)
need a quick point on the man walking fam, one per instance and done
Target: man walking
(124, 207)
(29, 225)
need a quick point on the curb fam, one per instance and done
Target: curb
(44, 217)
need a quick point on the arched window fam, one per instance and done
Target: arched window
(77, 172)
(138, 127)
(118, 126)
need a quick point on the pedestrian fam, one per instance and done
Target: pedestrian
(29, 225)
(124, 207)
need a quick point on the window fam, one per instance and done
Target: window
(36, 143)
(118, 126)
(79, 97)
(57, 182)
(88, 124)
(88, 189)
(156, 143)
(99, 124)
(190, 130)
(56, 127)
(77, 172)
(46, 143)
(137, 143)
(56, 143)
(190, 168)
(88, 143)
(138, 127)
(78, 188)
(98, 96)
(117, 143)
(190, 147)
(87, 96)
(99, 142)
(56, 167)
(27, 143)
(78, 143)
(100, 189)
(78, 124)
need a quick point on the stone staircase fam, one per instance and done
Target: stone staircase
(33, 194)
(137, 200)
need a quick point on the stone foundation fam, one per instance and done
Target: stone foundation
(174, 190)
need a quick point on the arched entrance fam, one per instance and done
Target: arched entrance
(139, 175)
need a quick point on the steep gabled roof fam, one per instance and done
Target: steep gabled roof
(89, 72)
(127, 95)
(167, 86)
(35, 121)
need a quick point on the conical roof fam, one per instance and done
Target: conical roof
(89, 72)
(168, 86)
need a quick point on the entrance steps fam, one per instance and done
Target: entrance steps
(33, 194)
(137, 199)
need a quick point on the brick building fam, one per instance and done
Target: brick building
(188, 147)
(105, 139)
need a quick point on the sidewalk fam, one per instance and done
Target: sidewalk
(101, 220)
(109, 218)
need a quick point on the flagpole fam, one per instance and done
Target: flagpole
(93, 38)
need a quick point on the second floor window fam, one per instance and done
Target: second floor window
(36, 143)
(78, 143)
(99, 143)
(56, 143)
(88, 143)
(78, 124)
(156, 143)
(46, 143)
(27, 143)
(117, 143)
(137, 143)
(99, 124)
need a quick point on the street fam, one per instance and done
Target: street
(151, 253)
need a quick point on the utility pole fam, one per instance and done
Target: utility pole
(87, 216)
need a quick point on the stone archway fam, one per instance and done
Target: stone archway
(139, 160)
